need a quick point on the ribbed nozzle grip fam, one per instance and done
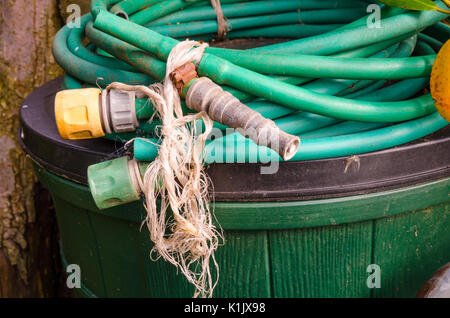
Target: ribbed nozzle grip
(221, 106)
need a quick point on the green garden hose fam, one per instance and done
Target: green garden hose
(342, 87)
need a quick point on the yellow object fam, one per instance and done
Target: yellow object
(440, 81)
(77, 113)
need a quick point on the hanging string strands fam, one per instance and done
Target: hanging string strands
(189, 238)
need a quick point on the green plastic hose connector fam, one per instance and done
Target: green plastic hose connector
(115, 182)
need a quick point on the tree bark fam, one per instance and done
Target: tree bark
(29, 260)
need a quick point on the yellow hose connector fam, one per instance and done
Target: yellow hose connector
(77, 113)
(440, 81)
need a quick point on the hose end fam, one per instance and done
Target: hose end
(122, 14)
(113, 183)
(77, 113)
(289, 145)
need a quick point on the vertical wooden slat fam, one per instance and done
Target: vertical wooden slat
(244, 265)
(326, 261)
(79, 244)
(409, 248)
(121, 258)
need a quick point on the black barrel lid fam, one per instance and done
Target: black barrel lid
(417, 162)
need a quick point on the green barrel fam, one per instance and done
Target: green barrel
(317, 238)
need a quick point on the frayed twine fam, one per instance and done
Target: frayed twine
(188, 237)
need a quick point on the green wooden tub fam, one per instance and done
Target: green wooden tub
(312, 230)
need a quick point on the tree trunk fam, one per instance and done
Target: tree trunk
(29, 260)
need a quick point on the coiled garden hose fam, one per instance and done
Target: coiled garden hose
(342, 87)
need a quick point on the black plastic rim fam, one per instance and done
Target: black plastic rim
(417, 162)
